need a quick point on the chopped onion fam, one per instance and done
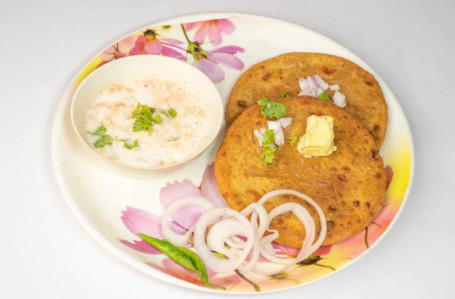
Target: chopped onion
(334, 87)
(308, 92)
(339, 99)
(319, 91)
(285, 121)
(303, 83)
(312, 83)
(321, 82)
(277, 130)
(168, 233)
(259, 134)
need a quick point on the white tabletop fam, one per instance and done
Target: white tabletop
(46, 253)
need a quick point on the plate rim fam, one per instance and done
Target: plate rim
(107, 245)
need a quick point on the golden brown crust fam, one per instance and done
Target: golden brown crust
(281, 73)
(349, 185)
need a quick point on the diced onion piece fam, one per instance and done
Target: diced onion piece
(259, 134)
(321, 82)
(334, 87)
(285, 121)
(303, 83)
(312, 83)
(168, 233)
(233, 260)
(308, 92)
(277, 130)
(339, 99)
(319, 91)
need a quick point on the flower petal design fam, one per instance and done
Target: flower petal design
(226, 26)
(209, 187)
(138, 45)
(166, 51)
(185, 217)
(211, 69)
(389, 175)
(215, 36)
(228, 60)
(170, 41)
(201, 33)
(229, 50)
(152, 47)
(141, 246)
(141, 221)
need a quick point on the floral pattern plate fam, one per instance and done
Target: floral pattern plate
(114, 207)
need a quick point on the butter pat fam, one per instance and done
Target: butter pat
(319, 138)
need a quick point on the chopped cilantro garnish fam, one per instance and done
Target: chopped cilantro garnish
(285, 94)
(269, 138)
(143, 114)
(130, 144)
(104, 139)
(172, 112)
(268, 154)
(294, 139)
(271, 109)
(324, 96)
(157, 118)
(100, 131)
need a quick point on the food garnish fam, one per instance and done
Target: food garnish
(285, 94)
(104, 139)
(130, 144)
(293, 139)
(318, 139)
(170, 113)
(226, 240)
(324, 96)
(143, 114)
(268, 154)
(269, 138)
(182, 256)
(271, 109)
(316, 87)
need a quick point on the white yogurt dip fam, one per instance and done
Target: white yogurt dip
(174, 140)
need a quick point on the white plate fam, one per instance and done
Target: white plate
(97, 194)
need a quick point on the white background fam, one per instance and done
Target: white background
(45, 252)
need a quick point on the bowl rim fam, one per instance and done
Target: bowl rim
(216, 128)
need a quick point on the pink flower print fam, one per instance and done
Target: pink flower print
(209, 61)
(150, 42)
(213, 29)
(118, 50)
(141, 221)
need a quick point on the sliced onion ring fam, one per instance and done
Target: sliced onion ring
(212, 261)
(170, 235)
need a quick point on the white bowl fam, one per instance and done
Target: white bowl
(153, 65)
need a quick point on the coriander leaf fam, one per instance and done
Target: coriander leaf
(100, 131)
(268, 154)
(324, 96)
(271, 109)
(294, 140)
(130, 144)
(285, 94)
(269, 138)
(143, 114)
(157, 118)
(172, 112)
(103, 141)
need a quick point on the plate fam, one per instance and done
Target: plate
(104, 200)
